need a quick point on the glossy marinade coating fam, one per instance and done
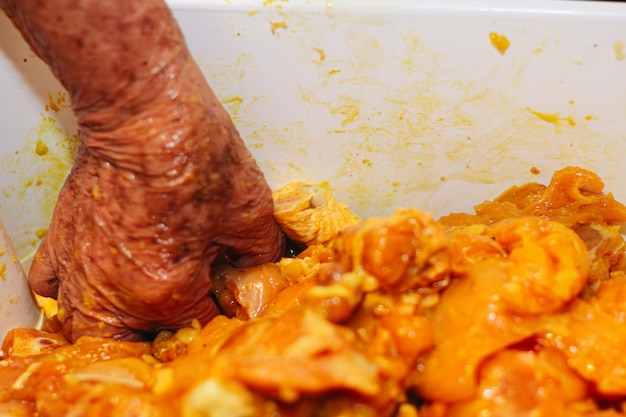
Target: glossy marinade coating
(162, 184)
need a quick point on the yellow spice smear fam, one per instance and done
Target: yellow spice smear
(552, 117)
(274, 26)
(500, 42)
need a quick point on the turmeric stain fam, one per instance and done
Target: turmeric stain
(274, 26)
(618, 48)
(546, 117)
(305, 95)
(41, 232)
(35, 173)
(552, 117)
(41, 148)
(500, 42)
(325, 184)
(321, 53)
(534, 170)
(58, 103)
(51, 104)
(233, 103)
(235, 99)
(3, 269)
(350, 113)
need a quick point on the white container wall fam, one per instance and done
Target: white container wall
(394, 103)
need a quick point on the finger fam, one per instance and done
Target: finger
(78, 324)
(265, 244)
(41, 277)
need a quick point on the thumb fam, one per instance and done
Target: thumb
(266, 243)
(42, 277)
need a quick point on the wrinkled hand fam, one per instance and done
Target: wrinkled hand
(162, 186)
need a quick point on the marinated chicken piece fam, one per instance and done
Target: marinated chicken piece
(162, 185)
(516, 383)
(251, 292)
(544, 266)
(311, 357)
(547, 264)
(300, 362)
(294, 365)
(610, 297)
(72, 378)
(26, 342)
(470, 323)
(573, 197)
(407, 250)
(310, 214)
(404, 252)
(305, 267)
(169, 345)
(480, 314)
(470, 245)
(486, 213)
(294, 296)
(244, 292)
(592, 341)
(605, 245)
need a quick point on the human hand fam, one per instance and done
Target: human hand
(162, 186)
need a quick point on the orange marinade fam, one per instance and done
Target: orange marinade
(516, 309)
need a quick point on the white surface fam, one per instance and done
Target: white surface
(400, 7)
(17, 306)
(395, 103)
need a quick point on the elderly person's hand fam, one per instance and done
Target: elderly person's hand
(163, 185)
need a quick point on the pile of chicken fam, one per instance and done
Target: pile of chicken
(518, 309)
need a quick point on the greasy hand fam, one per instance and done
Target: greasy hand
(162, 185)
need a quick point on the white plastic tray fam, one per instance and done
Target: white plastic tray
(394, 103)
